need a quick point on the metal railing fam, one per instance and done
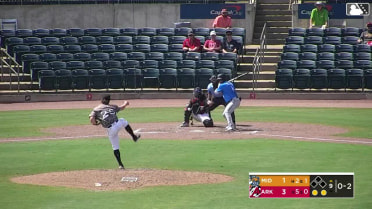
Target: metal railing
(259, 58)
(8, 62)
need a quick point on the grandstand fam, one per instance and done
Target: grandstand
(100, 55)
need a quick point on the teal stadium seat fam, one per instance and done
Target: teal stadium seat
(80, 79)
(319, 78)
(336, 79)
(283, 78)
(355, 79)
(168, 78)
(47, 80)
(97, 79)
(63, 79)
(115, 78)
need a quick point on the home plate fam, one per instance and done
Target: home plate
(129, 179)
(197, 131)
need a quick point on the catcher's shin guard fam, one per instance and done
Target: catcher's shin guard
(208, 123)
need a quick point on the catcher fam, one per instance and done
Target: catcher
(198, 109)
(105, 115)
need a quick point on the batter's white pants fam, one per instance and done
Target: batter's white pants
(113, 132)
(230, 107)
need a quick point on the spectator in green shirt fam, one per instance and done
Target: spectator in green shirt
(319, 16)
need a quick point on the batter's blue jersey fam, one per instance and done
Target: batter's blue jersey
(210, 90)
(228, 91)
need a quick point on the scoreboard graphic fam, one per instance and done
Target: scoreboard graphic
(357, 9)
(301, 185)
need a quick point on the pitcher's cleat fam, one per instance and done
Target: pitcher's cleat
(121, 167)
(137, 137)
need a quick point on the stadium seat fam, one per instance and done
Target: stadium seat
(168, 78)
(336, 79)
(111, 64)
(309, 48)
(297, 32)
(186, 64)
(35, 67)
(75, 32)
(150, 78)
(319, 78)
(333, 31)
(31, 40)
(141, 40)
(335, 40)
(201, 31)
(167, 64)
(48, 57)
(205, 64)
(93, 32)
(27, 59)
(351, 31)
(4, 34)
(69, 40)
(147, 31)
(129, 31)
(105, 40)
(47, 80)
(97, 79)
(159, 48)
(237, 31)
(136, 55)
(344, 64)
(49, 40)
(89, 48)
(55, 48)
(353, 40)
(38, 49)
(165, 31)
(314, 32)
(225, 64)
(344, 56)
(11, 42)
(229, 56)
(80, 79)
(58, 32)
(368, 78)
(24, 33)
(308, 56)
(314, 40)
(72, 65)
(301, 79)
(63, 79)
(149, 64)
(64, 56)
(287, 64)
(210, 56)
(124, 48)
(173, 56)
(175, 48)
(176, 39)
(133, 78)
(362, 56)
(326, 56)
(220, 31)
(192, 56)
(185, 78)
(57, 65)
(19, 50)
(292, 48)
(111, 32)
(283, 78)
(345, 48)
(115, 78)
(106, 48)
(306, 64)
(72, 48)
(41, 32)
(202, 76)
(184, 31)
(362, 48)
(154, 56)
(201, 39)
(100, 56)
(87, 40)
(159, 39)
(327, 48)
(130, 64)
(354, 79)
(93, 64)
(363, 64)
(120, 56)
(82, 56)
(123, 40)
(325, 64)
(142, 48)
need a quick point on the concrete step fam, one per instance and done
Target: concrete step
(271, 35)
(282, 7)
(273, 2)
(275, 11)
(260, 23)
(272, 29)
(14, 86)
(268, 59)
(276, 18)
(247, 67)
(259, 84)
(270, 41)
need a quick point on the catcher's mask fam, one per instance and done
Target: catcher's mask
(198, 92)
(208, 123)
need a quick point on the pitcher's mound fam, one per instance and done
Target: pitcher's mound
(114, 180)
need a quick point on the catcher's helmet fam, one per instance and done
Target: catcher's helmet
(198, 92)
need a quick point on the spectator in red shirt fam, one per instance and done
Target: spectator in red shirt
(191, 44)
(212, 45)
(223, 20)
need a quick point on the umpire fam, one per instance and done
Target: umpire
(216, 100)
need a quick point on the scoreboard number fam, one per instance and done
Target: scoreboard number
(301, 185)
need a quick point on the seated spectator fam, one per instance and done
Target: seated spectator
(212, 44)
(191, 44)
(222, 20)
(366, 35)
(229, 44)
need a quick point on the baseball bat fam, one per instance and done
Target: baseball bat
(238, 77)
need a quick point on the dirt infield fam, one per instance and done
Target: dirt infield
(110, 180)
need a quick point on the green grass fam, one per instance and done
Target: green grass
(231, 157)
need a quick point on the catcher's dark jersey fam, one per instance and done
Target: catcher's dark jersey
(106, 114)
(195, 105)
